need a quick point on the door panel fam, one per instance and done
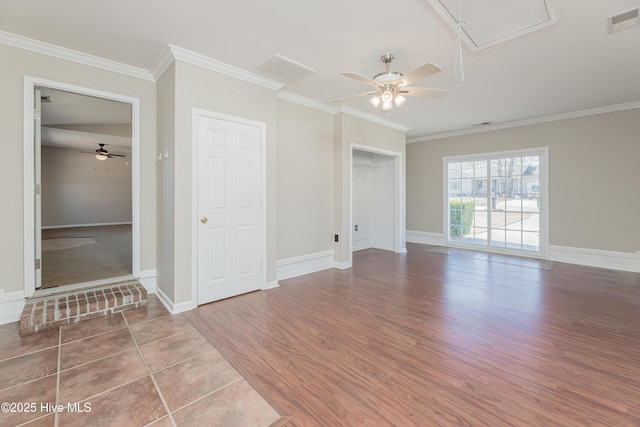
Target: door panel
(229, 171)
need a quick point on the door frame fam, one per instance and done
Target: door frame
(30, 83)
(543, 153)
(398, 198)
(195, 115)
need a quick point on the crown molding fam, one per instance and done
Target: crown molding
(211, 64)
(165, 60)
(317, 105)
(526, 122)
(307, 102)
(370, 117)
(73, 55)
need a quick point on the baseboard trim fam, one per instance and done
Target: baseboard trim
(11, 306)
(172, 307)
(100, 224)
(425, 238)
(305, 264)
(362, 243)
(149, 279)
(342, 265)
(270, 285)
(625, 261)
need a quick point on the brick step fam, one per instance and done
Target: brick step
(48, 312)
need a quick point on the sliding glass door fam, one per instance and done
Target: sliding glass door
(496, 201)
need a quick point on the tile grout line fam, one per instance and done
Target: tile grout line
(92, 336)
(27, 353)
(113, 388)
(27, 382)
(153, 379)
(98, 360)
(215, 391)
(184, 360)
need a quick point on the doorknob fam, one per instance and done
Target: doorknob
(204, 219)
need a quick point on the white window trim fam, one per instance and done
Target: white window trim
(543, 153)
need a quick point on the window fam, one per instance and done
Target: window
(495, 201)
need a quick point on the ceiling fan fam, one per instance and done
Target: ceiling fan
(102, 154)
(391, 87)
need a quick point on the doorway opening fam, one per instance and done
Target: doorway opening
(377, 200)
(373, 211)
(81, 195)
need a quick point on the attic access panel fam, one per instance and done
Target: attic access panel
(491, 22)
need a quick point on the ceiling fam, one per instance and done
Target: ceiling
(81, 122)
(571, 65)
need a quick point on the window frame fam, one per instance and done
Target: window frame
(543, 154)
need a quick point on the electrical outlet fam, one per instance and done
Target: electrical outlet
(335, 238)
(356, 227)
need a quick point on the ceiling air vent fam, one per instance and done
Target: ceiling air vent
(622, 20)
(287, 69)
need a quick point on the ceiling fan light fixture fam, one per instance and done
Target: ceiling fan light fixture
(399, 100)
(387, 96)
(392, 87)
(102, 156)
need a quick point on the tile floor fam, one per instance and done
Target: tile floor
(135, 368)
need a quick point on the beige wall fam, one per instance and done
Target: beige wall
(593, 177)
(165, 172)
(304, 180)
(78, 189)
(166, 184)
(197, 87)
(16, 63)
(354, 130)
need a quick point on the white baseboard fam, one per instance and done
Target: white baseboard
(270, 285)
(149, 279)
(625, 261)
(183, 306)
(305, 264)
(361, 244)
(100, 224)
(425, 238)
(342, 265)
(173, 307)
(11, 306)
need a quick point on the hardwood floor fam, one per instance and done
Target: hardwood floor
(427, 339)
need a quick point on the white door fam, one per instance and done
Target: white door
(229, 209)
(37, 198)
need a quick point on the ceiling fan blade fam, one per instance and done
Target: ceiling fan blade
(362, 79)
(420, 73)
(339, 100)
(424, 92)
(115, 155)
